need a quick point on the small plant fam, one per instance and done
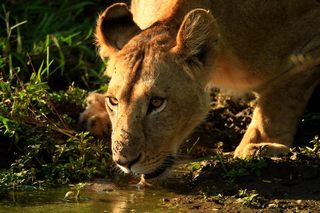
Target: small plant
(75, 195)
(240, 168)
(249, 198)
(312, 151)
(189, 150)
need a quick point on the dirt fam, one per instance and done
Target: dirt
(282, 185)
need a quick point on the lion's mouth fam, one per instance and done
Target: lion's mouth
(167, 163)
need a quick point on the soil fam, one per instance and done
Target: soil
(282, 185)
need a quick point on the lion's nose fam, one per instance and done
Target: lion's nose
(121, 160)
(125, 161)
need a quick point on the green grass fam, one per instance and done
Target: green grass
(47, 63)
(54, 38)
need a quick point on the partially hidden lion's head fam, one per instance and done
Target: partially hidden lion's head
(157, 92)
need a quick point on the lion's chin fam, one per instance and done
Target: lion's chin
(167, 163)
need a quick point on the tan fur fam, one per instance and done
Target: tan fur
(241, 45)
(95, 116)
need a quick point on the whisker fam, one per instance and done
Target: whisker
(167, 163)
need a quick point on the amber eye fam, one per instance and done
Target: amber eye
(112, 102)
(156, 104)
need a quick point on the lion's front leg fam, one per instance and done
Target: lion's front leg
(95, 117)
(279, 108)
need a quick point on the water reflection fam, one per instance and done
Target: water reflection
(132, 200)
(115, 200)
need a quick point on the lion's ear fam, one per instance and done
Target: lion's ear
(115, 27)
(197, 35)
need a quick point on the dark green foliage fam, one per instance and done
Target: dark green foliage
(47, 58)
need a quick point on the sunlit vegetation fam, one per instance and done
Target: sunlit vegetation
(47, 63)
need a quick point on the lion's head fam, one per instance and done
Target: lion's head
(157, 92)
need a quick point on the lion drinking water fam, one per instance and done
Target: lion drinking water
(164, 56)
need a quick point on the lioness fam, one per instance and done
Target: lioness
(164, 58)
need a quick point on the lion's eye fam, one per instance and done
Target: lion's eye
(156, 104)
(112, 102)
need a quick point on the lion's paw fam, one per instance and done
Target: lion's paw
(95, 117)
(245, 151)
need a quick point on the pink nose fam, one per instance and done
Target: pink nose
(125, 162)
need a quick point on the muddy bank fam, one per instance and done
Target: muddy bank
(228, 185)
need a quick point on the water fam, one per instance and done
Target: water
(127, 199)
